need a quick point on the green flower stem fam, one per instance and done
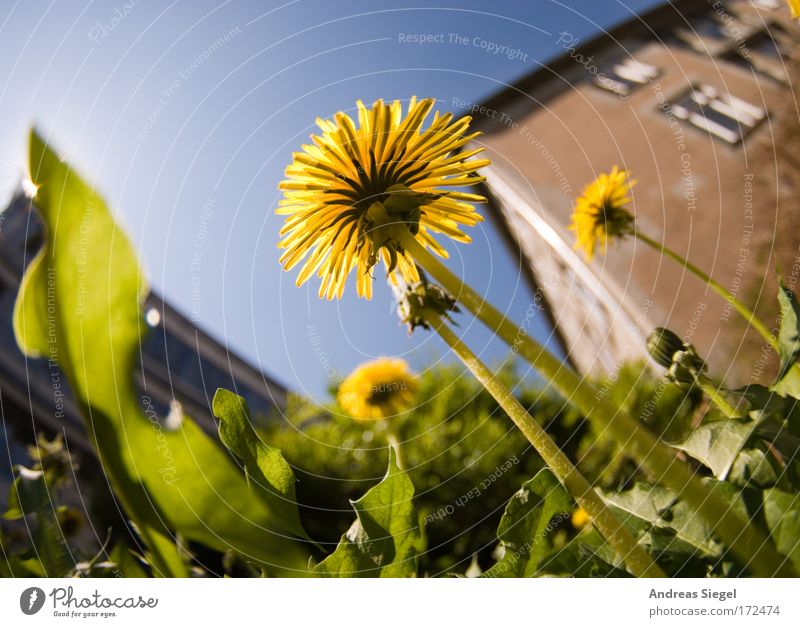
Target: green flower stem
(745, 541)
(717, 397)
(634, 556)
(744, 311)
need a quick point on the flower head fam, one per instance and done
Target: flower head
(378, 389)
(349, 190)
(601, 212)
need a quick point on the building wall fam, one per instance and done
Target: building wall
(696, 191)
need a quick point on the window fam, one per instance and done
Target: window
(766, 4)
(709, 29)
(724, 116)
(623, 77)
(764, 44)
(764, 51)
(714, 34)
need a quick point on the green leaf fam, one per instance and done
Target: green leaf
(527, 525)
(656, 507)
(21, 566)
(763, 400)
(79, 305)
(782, 513)
(30, 495)
(789, 334)
(127, 563)
(717, 444)
(753, 467)
(385, 539)
(788, 380)
(586, 555)
(789, 385)
(263, 465)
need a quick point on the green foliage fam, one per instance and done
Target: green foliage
(86, 283)
(789, 333)
(527, 526)
(185, 495)
(31, 495)
(462, 453)
(39, 540)
(788, 380)
(718, 444)
(782, 514)
(385, 540)
(663, 522)
(664, 407)
(263, 465)
(128, 564)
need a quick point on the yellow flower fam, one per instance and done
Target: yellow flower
(347, 190)
(600, 213)
(378, 389)
(794, 5)
(580, 518)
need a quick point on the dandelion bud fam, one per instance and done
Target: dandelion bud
(683, 363)
(416, 301)
(662, 344)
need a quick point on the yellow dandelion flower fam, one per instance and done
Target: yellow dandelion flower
(378, 389)
(794, 5)
(347, 190)
(601, 212)
(580, 518)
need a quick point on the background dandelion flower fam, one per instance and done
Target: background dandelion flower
(347, 190)
(601, 212)
(378, 389)
(580, 518)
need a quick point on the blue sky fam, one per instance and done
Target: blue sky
(185, 113)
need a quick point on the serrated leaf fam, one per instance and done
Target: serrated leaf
(789, 333)
(788, 381)
(789, 385)
(717, 444)
(385, 540)
(657, 507)
(753, 467)
(79, 304)
(268, 472)
(526, 528)
(776, 417)
(782, 513)
(762, 400)
(586, 555)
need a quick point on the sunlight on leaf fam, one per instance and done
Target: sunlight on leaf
(782, 512)
(385, 540)
(79, 305)
(264, 465)
(528, 523)
(717, 444)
